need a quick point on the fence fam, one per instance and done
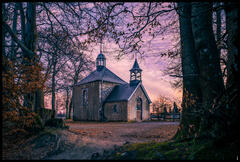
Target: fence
(163, 116)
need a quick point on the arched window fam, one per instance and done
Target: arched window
(139, 103)
(84, 97)
(115, 108)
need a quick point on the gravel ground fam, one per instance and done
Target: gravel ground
(85, 140)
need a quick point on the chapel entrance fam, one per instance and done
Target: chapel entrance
(139, 109)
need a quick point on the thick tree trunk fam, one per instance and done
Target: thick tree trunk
(191, 86)
(211, 79)
(30, 42)
(31, 30)
(232, 31)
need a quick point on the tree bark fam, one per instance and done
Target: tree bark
(30, 42)
(211, 79)
(232, 31)
(33, 100)
(190, 70)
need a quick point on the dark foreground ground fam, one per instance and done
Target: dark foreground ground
(90, 140)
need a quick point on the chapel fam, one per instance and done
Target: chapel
(103, 96)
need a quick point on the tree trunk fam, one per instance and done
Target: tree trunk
(39, 102)
(232, 31)
(14, 29)
(219, 25)
(211, 79)
(191, 86)
(30, 42)
(67, 102)
(53, 86)
(22, 22)
(31, 29)
(75, 80)
(70, 107)
(3, 30)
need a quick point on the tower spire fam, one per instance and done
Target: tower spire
(135, 74)
(101, 60)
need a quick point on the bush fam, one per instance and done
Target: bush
(32, 123)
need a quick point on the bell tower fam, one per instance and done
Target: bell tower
(100, 62)
(101, 59)
(135, 74)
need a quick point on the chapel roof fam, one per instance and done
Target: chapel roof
(105, 74)
(124, 92)
(101, 56)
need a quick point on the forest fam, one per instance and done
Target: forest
(47, 49)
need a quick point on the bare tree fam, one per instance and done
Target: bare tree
(78, 64)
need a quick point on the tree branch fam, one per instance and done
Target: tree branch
(23, 47)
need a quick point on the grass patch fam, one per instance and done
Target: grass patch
(177, 150)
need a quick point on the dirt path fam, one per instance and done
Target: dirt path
(86, 139)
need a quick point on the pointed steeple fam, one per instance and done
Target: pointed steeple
(101, 59)
(135, 65)
(135, 74)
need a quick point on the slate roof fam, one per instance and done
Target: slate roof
(101, 56)
(105, 74)
(124, 92)
(120, 93)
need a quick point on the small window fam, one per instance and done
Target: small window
(84, 97)
(115, 108)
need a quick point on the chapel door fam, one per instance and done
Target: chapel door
(139, 109)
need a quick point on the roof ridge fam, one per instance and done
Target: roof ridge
(86, 76)
(104, 75)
